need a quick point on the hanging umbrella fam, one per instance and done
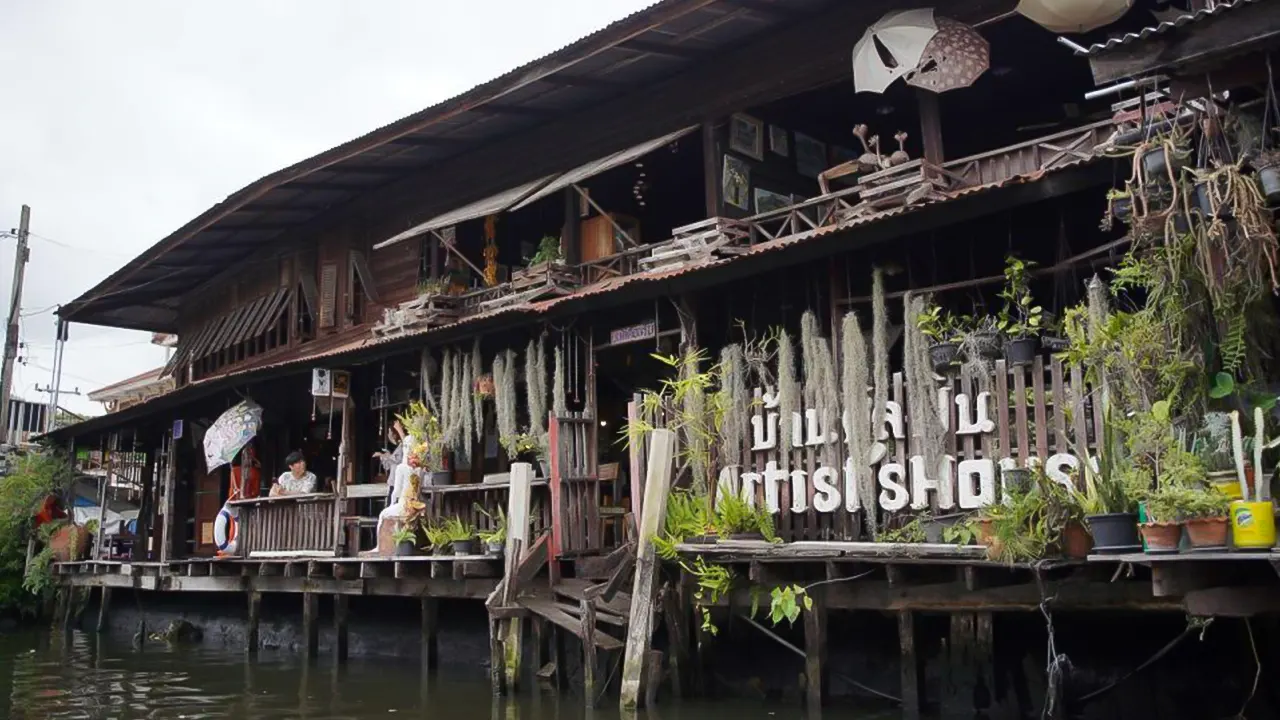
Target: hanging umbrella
(891, 48)
(953, 59)
(1073, 16)
(231, 432)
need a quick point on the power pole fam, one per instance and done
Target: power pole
(59, 348)
(15, 308)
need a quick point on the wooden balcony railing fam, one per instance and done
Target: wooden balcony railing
(291, 525)
(479, 503)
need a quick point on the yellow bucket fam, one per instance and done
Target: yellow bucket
(1230, 488)
(1253, 524)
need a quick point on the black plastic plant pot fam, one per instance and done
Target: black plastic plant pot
(988, 344)
(1114, 533)
(1052, 344)
(943, 356)
(494, 548)
(1016, 479)
(935, 527)
(1122, 208)
(406, 548)
(1158, 165)
(1269, 180)
(464, 547)
(1205, 205)
(747, 536)
(1021, 351)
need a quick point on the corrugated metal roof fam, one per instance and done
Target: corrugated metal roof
(1166, 26)
(496, 203)
(644, 48)
(344, 348)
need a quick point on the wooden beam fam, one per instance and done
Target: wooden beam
(910, 666)
(710, 169)
(575, 80)
(930, 127)
(170, 470)
(430, 645)
(310, 624)
(340, 612)
(251, 627)
(589, 662)
(640, 629)
(104, 602)
(1242, 29)
(676, 616)
(815, 655)
(661, 48)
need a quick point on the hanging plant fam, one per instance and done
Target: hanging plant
(879, 350)
(482, 382)
(446, 398)
(504, 376)
(535, 386)
(737, 413)
(788, 390)
(559, 401)
(854, 380)
(821, 390)
(926, 424)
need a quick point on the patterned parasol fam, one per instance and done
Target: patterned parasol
(231, 432)
(953, 59)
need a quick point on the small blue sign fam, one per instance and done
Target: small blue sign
(177, 429)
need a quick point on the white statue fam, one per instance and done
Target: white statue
(404, 491)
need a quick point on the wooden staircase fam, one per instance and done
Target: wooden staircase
(563, 606)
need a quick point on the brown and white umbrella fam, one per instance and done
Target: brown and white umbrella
(954, 58)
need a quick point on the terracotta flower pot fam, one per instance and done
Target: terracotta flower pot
(986, 531)
(1209, 532)
(1077, 543)
(1162, 537)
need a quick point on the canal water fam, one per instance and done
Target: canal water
(76, 675)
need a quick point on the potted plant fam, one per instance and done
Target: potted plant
(1161, 159)
(1213, 447)
(461, 536)
(1015, 479)
(981, 338)
(942, 528)
(526, 447)
(1205, 516)
(736, 519)
(494, 540)
(406, 539)
(939, 326)
(910, 531)
(1021, 318)
(426, 453)
(1120, 204)
(1162, 531)
(1107, 503)
(437, 539)
(1267, 168)
(548, 252)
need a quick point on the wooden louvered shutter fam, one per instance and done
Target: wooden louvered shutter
(328, 295)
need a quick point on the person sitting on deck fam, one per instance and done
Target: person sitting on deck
(297, 480)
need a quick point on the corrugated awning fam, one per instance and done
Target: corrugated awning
(609, 162)
(478, 209)
(244, 323)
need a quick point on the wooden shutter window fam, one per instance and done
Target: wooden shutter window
(328, 295)
(361, 266)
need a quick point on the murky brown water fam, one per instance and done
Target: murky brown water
(51, 675)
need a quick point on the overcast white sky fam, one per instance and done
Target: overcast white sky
(123, 120)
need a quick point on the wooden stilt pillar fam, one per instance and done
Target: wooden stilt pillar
(103, 604)
(495, 656)
(556, 655)
(340, 607)
(910, 666)
(815, 655)
(589, 662)
(69, 607)
(310, 625)
(657, 486)
(430, 656)
(676, 614)
(512, 652)
(255, 615)
(958, 700)
(652, 677)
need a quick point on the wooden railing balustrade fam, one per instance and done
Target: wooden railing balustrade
(290, 525)
(468, 501)
(575, 487)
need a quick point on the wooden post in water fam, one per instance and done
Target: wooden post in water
(815, 654)
(961, 673)
(676, 616)
(103, 604)
(643, 596)
(430, 658)
(167, 529)
(589, 661)
(517, 541)
(910, 669)
(255, 615)
(340, 608)
(310, 627)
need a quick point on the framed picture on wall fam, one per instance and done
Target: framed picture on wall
(746, 136)
(735, 182)
(811, 156)
(779, 143)
(768, 200)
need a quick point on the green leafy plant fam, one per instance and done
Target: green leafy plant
(524, 443)
(786, 603)
(31, 478)
(499, 532)
(734, 515)
(458, 530)
(437, 536)
(910, 532)
(961, 533)
(938, 325)
(548, 251)
(714, 582)
(1020, 317)
(406, 533)
(1209, 502)
(688, 515)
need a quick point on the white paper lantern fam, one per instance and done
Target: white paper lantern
(1073, 16)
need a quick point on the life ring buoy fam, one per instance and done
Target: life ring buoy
(225, 529)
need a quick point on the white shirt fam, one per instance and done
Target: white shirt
(297, 486)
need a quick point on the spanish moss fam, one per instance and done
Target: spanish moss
(854, 378)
